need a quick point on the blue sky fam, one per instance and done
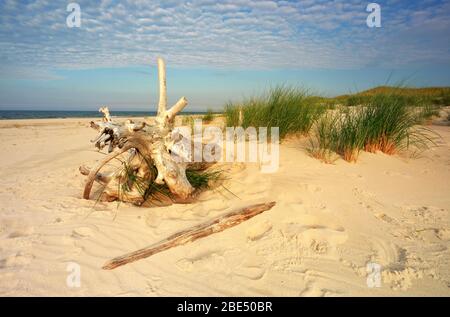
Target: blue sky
(216, 51)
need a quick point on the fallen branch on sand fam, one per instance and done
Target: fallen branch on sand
(202, 230)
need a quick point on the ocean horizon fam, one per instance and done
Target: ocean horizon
(62, 114)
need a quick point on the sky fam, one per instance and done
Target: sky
(215, 51)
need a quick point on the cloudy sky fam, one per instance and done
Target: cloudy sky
(215, 50)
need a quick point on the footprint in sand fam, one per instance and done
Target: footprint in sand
(383, 217)
(386, 253)
(401, 279)
(259, 230)
(210, 260)
(313, 291)
(228, 262)
(251, 272)
(13, 228)
(322, 240)
(82, 232)
(444, 234)
(18, 259)
(366, 198)
(311, 188)
(17, 234)
(299, 239)
(153, 286)
(399, 267)
(396, 174)
(22, 232)
(430, 235)
(426, 213)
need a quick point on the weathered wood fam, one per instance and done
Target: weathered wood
(162, 87)
(106, 115)
(152, 141)
(202, 230)
(93, 172)
(176, 108)
(102, 178)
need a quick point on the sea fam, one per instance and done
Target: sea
(51, 114)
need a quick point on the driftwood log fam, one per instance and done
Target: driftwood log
(151, 157)
(203, 230)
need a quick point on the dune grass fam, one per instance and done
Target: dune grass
(442, 99)
(290, 109)
(437, 96)
(389, 124)
(427, 112)
(382, 119)
(188, 121)
(403, 90)
(386, 123)
(209, 116)
(338, 133)
(356, 100)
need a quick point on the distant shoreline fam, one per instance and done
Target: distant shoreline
(83, 121)
(50, 114)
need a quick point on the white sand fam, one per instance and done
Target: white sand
(329, 222)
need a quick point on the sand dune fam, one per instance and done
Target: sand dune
(329, 222)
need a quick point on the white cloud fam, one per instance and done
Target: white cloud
(229, 34)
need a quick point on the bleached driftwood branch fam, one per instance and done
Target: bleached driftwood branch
(200, 231)
(147, 146)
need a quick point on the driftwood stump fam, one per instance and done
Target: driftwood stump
(149, 148)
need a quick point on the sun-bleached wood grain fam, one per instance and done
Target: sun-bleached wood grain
(200, 231)
(139, 140)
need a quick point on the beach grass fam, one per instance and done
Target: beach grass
(288, 108)
(384, 119)
(442, 99)
(389, 124)
(188, 121)
(340, 133)
(209, 116)
(427, 112)
(384, 122)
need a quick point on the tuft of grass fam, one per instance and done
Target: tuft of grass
(340, 133)
(325, 102)
(128, 180)
(209, 116)
(386, 123)
(231, 113)
(188, 121)
(323, 144)
(427, 112)
(444, 99)
(441, 100)
(202, 180)
(284, 107)
(391, 125)
(356, 100)
(439, 96)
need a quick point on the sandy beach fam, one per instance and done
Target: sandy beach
(329, 222)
